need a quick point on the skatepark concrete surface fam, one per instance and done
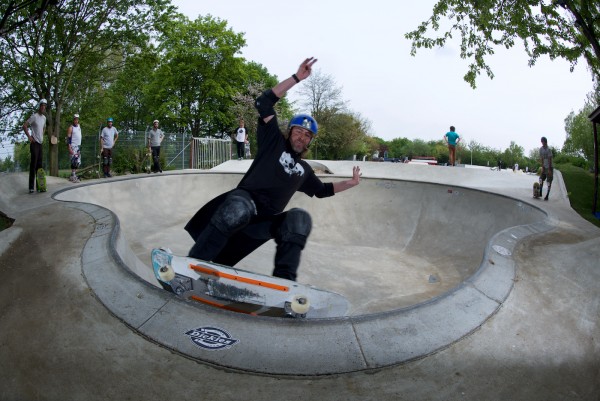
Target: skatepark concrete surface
(461, 287)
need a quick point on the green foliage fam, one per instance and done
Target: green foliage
(580, 133)
(199, 75)
(72, 54)
(22, 155)
(557, 29)
(576, 161)
(7, 164)
(580, 188)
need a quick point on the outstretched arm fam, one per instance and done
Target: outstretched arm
(347, 184)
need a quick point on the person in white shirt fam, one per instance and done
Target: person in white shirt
(155, 138)
(34, 129)
(108, 139)
(241, 137)
(74, 145)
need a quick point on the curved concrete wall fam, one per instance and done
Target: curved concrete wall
(385, 244)
(412, 224)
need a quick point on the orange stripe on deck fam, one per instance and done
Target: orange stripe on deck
(218, 305)
(216, 273)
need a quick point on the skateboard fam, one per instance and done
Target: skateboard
(536, 190)
(243, 291)
(41, 180)
(147, 161)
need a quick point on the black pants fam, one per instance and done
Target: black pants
(156, 158)
(35, 150)
(235, 231)
(106, 160)
(241, 149)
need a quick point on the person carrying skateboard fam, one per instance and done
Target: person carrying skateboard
(74, 145)
(547, 169)
(108, 139)
(35, 135)
(234, 224)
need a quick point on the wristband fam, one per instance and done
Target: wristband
(295, 78)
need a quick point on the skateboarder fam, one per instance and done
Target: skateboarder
(234, 224)
(35, 135)
(547, 169)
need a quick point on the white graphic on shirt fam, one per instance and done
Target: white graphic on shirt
(289, 166)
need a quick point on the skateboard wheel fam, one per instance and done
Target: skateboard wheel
(300, 304)
(166, 273)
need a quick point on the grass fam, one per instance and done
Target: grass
(580, 189)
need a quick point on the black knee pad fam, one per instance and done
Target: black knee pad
(234, 214)
(295, 228)
(75, 163)
(105, 161)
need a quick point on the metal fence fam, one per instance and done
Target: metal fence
(178, 151)
(207, 153)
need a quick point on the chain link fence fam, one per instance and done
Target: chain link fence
(130, 155)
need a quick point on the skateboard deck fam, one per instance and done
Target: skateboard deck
(147, 161)
(41, 180)
(243, 291)
(536, 190)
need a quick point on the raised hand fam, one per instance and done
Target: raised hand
(305, 68)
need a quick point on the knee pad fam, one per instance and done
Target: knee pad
(105, 161)
(234, 214)
(295, 228)
(75, 163)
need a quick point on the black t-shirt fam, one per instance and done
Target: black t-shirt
(278, 172)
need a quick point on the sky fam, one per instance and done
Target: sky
(361, 45)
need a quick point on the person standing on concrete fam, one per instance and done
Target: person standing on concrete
(547, 168)
(155, 138)
(241, 137)
(35, 135)
(108, 139)
(74, 145)
(234, 224)
(452, 139)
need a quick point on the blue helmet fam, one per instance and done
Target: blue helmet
(109, 119)
(304, 121)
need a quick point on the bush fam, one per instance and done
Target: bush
(576, 161)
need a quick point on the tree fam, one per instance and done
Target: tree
(256, 80)
(580, 134)
(567, 29)
(514, 154)
(321, 96)
(342, 136)
(75, 49)
(13, 16)
(199, 75)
